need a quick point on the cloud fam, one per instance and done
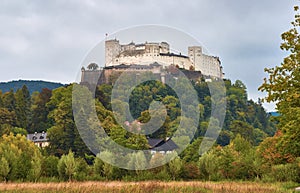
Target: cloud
(49, 39)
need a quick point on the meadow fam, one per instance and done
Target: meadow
(150, 187)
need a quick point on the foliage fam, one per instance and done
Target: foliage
(22, 157)
(282, 87)
(67, 166)
(175, 167)
(4, 168)
(49, 166)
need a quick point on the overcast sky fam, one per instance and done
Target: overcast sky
(48, 40)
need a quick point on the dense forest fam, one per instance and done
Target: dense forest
(242, 151)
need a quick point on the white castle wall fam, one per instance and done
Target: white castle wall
(147, 53)
(147, 59)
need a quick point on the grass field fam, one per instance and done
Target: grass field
(147, 187)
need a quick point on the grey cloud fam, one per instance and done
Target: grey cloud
(49, 39)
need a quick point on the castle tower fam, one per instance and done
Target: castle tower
(194, 53)
(208, 65)
(112, 50)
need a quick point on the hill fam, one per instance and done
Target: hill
(33, 85)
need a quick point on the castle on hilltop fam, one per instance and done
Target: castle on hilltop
(154, 57)
(149, 52)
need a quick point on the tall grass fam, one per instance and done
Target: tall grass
(146, 187)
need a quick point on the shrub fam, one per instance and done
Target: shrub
(67, 166)
(49, 166)
(283, 173)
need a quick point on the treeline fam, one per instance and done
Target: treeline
(21, 160)
(244, 150)
(32, 85)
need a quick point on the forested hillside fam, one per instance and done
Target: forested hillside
(32, 85)
(237, 154)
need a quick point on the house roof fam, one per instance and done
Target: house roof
(155, 64)
(38, 137)
(162, 145)
(154, 142)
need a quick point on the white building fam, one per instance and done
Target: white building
(39, 139)
(150, 52)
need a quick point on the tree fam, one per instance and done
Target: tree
(4, 168)
(70, 165)
(18, 152)
(137, 162)
(1, 100)
(242, 128)
(208, 166)
(67, 166)
(98, 166)
(9, 100)
(283, 87)
(23, 103)
(36, 167)
(39, 121)
(49, 166)
(107, 169)
(175, 167)
(63, 135)
(92, 66)
(7, 117)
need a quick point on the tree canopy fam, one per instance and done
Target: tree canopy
(283, 87)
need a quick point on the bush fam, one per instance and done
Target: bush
(67, 166)
(190, 171)
(49, 166)
(82, 170)
(283, 173)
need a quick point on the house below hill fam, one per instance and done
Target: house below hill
(39, 139)
(162, 146)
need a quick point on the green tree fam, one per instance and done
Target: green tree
(9, 100)
(4, 168)
(208, 166)
(282, 87)
(137, 161)
(36, 167)
(242, 128)
(107, 169)
(22, 109)
(98, 166)
(175, 167)
(49, 166)
(39, 121)
(67, 166)
(18, 152)
(63, 135)
(7, 117)
(103, 93)
(92, 66)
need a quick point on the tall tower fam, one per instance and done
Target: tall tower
(194, 53)
(112, 50)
